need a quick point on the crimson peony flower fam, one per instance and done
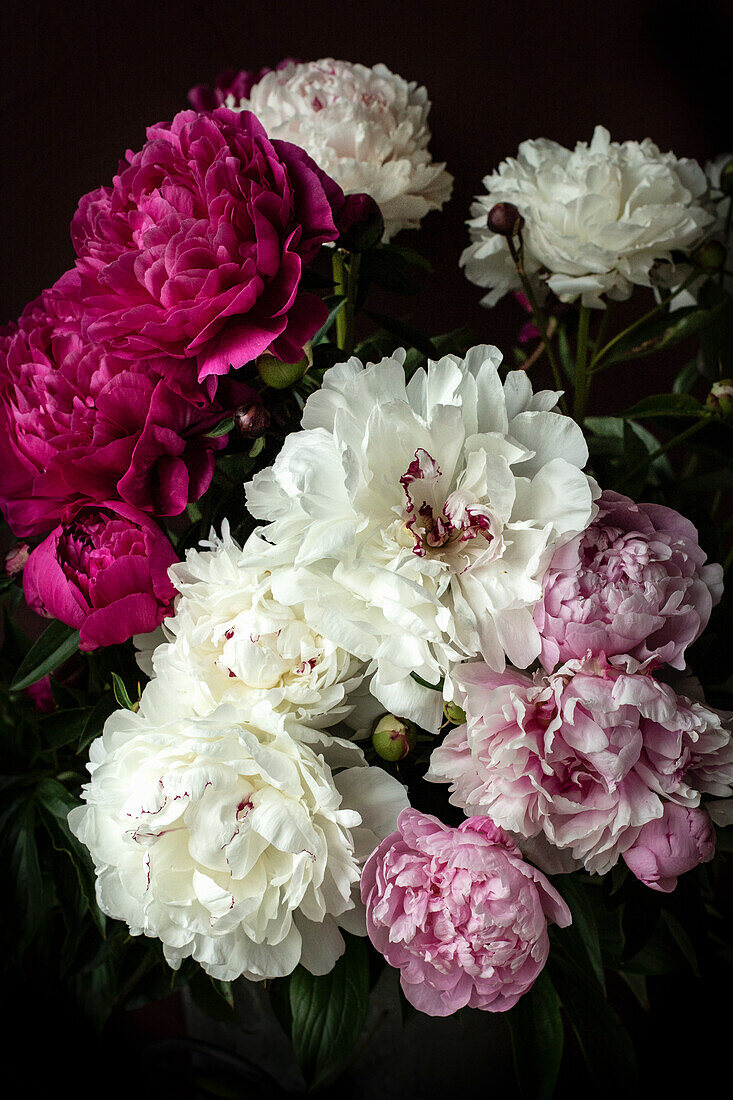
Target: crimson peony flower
(197, 248)
(103, 571)
(459, 912)
(79, 422)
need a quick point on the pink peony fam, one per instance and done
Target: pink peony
(78, 422)
(459, 913)
(634, 583)
(198, 247)
(671, 845)
(581, 759)
(103, 571)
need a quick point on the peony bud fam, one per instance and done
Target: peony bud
(505, 219)
(16, 558)
(279, 375)
(710, 256)
(726, 178)
(360, 224)
(393, 738)
(251, 421)
(454, 713)
(720, 398)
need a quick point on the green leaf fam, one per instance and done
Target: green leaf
(666, 404)
(328, 1011)
(222, 428)
(637, 983)
(683, 941)
(57, 643)
(566, 353)
(94, 723)
(537, 1039)
(405, 333)
(581, 938)
(686, 378)
(394, 269)
(663, 333)
(335, 304)
(121, 693)
(257, 446)
(54, 803)
(606, 1046)
(31, 901)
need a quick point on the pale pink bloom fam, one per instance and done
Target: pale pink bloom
(459, 913)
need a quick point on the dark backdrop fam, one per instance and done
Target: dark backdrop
(80, 82)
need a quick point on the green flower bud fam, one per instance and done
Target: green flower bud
(393, 738)
(720, 398)
(279, 375)
(454, 713)
(710, 256)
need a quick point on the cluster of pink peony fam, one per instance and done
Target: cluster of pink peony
(634, 584)
(459, 913)
(577, 763)
(189, 265)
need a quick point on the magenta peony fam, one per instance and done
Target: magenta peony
(197, 248)
(103, 571)
(459, 913)
(581, 759)
(671, 845)
(634, 583)
(230, 88)
(78, 422)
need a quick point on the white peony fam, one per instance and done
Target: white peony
(367, 128)
(235, 845)
(435, 505)
(597, 218)
(231, 640)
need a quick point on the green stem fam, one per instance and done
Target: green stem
(673, 442)
(346, 282)
(600, 355)
(540, 321)
(582, 379)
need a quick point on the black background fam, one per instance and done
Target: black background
(80, 83)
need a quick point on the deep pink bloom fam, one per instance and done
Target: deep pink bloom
(671, 845)
(634, 583)
(103, 571)
(459, 913)
(238, 85)
(198, 247)
(78, 422)
(41, 695)
(580, 760)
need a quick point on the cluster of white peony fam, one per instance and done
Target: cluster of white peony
(366, 127)
(598, 219)
(409, 526)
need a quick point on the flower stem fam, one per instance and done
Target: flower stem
(661, 450)
(603, 352)
(540, 321)
(346, 282)
(582, 378)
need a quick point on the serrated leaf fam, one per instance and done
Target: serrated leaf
(537, 1039)
(57, 643)
(328, 1011)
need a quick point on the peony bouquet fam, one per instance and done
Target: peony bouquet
(370, 657)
